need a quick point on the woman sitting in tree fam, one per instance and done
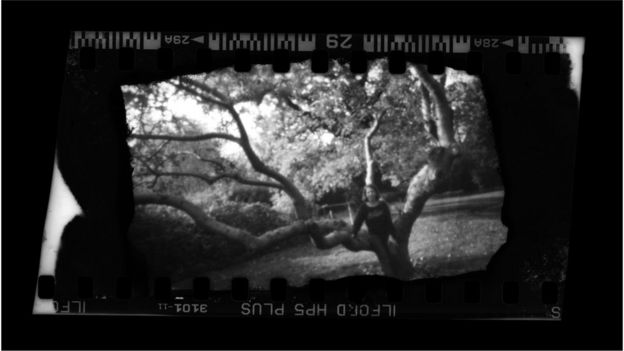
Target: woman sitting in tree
(376, 214)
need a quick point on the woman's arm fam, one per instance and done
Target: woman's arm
(359, 219)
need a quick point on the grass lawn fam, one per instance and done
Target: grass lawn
(453, 235)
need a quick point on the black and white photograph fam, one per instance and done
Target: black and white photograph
(301, 175)
(383, 171)
(312, 175)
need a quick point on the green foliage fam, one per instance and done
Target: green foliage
(257, 218)
(472, 124)
(211, 197)
(250, 194)
(283, 204)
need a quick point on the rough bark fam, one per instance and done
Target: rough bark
(425, 108)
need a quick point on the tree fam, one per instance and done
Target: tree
(351, 110)
(343, 106)
(213, 97)
(423, 184)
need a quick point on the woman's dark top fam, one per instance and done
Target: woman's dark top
(378, 220)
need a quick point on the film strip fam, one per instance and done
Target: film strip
(429, 299)
(370, 43)
(457, 86)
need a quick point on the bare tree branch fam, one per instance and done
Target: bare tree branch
(154, 181)
(370, 161)
(256, 97)
(209, 179)
(425, 106)
(284, 96)
(199, 137)
(247, 181)
(222, 98)
(217, 163)
(212, 179)
(371, 101)
(158, 149)
(201, 95)
(301, 205)
(442, 79)
(444, 113)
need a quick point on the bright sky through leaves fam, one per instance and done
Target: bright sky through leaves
(184, 106)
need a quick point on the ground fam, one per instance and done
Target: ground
(453, 235)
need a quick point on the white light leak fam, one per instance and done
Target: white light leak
(62, 208)
(575, 47)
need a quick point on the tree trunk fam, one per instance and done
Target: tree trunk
(428, 179)
(443, 110)
(373, 172)
(424, 184)
(363, 241)
(395, 259)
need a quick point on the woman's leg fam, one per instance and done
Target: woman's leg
(337, 237)
(380, 247)
(399, 251)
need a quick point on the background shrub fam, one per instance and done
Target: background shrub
(256, 218)
(250, 194)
